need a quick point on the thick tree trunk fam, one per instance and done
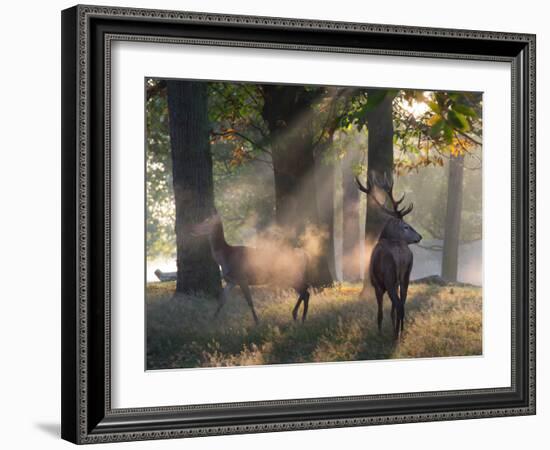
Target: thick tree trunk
(324, 188)
(193, 184)
(351, 229)
(288, 116)
(449, 266)
(380, 163)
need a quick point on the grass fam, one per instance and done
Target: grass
(181, 331)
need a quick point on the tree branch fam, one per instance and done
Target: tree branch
(244, 138)
(470, 138)
(331, 122)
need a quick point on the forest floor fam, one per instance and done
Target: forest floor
(181, 331)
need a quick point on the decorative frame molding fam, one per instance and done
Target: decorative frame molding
(87, 34)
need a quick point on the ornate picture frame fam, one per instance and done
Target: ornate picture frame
(88, 33)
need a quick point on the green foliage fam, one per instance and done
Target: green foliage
(437, 127)
(361, 104)
(243, 187)
(182, 333)
(243, 174)
(458, 121)
(429, 127)
(465, 110)
(159, 190)
(457, 111)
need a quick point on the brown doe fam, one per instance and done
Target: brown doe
(391, 260)
(248, 266)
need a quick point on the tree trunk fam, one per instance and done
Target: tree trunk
(351, 229)
(380, 163)
(193, 184)
(449, 266)
(324, 189)
(287, 112)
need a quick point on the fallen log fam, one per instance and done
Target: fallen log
(439, 281)
(166, 276)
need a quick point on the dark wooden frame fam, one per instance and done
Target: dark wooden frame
(87, 32)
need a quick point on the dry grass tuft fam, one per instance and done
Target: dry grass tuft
(181, 331)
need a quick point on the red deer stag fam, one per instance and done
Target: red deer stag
(247, 266)
(391, 260)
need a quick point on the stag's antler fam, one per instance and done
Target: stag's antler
(387, 187)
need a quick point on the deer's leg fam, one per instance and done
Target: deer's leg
(397, 309)
(379, 299)
(223, 297)
(403, 288)
(248, 297)
(303, 297)
(296, 307)
(400, 318)
(306, 305)
(402, 309)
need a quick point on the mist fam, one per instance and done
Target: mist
(426, 190)
(245, 198)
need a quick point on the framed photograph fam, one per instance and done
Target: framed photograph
(281, 224)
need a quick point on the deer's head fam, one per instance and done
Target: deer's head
(395, 229)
